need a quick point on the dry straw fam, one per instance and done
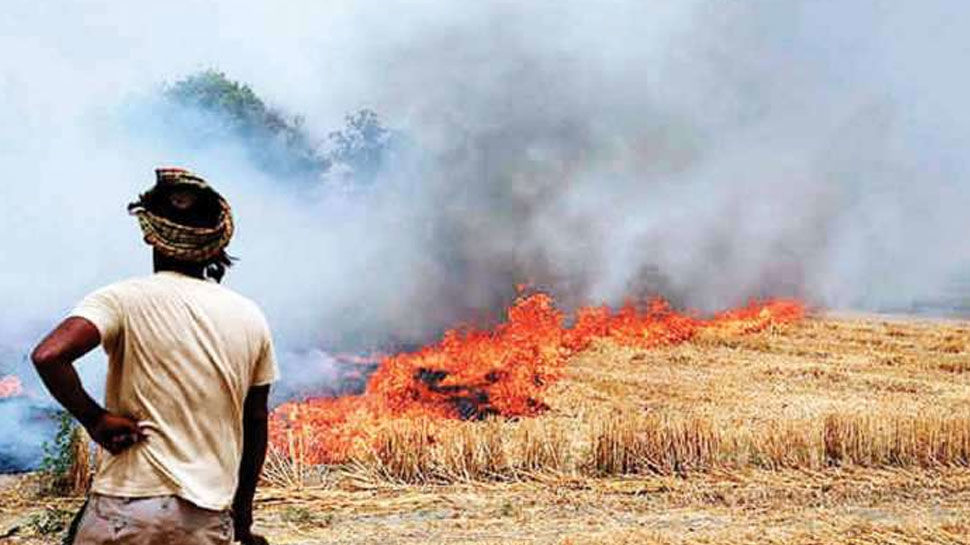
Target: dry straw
(286, 465)
(401, 452)
(470, 453)
(624, 444)
(424, 451)
(675, 445)
(540, 447)
(79, 472)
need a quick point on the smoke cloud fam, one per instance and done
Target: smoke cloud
(707, 151)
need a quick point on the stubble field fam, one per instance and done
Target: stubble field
(836, 429)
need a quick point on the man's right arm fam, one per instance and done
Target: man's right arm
(54, 360)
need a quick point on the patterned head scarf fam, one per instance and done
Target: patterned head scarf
(179, 234)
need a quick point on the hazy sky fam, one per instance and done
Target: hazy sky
(710, 150)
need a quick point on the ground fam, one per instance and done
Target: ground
(872, 367)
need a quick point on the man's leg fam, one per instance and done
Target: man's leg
(197, 526)
(164, 520)
(109, 520)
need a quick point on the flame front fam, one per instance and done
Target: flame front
(503, 372)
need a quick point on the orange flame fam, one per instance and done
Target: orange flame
(10, 386)
(503, 372)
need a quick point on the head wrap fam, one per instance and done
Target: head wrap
(177, 240)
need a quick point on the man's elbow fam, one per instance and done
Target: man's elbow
(70, 340)
(43, 357)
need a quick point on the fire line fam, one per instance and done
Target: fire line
(503, 372)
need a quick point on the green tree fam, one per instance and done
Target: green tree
(277, 143)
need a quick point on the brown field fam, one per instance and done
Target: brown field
(849, 429)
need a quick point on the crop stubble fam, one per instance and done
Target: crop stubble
(830, 430)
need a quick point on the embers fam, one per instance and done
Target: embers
(473, 407)
(471, 402)
(431, 378)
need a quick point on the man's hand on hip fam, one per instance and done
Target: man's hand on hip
(54, 359)
(116, 433)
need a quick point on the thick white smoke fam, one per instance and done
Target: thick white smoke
(710, 151)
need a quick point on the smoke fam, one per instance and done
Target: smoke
(708, 151)
(742, 150)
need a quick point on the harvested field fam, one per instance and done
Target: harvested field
(832, 430)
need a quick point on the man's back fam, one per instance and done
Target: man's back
(183, 353)
(186, 413)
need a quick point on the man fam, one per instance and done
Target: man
(189, 368)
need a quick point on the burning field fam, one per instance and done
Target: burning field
(760, 425)
(641, 425)
(502, 373)
(395, 168)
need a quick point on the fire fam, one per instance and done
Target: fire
(473, 375)
(10, 386)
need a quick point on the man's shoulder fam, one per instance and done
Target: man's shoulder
(126, 285)
(164, 285)
(167, 284)
(239, 299)
(243, 305)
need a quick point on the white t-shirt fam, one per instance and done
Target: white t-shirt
(182, 354)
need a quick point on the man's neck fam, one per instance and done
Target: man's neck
(162, 263)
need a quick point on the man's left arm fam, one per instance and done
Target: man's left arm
(255, 438)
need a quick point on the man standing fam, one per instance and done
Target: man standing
(189, 368)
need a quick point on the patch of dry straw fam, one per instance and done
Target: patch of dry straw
(669, 444)
(432, 452)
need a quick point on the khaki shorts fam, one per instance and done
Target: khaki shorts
(162, 520)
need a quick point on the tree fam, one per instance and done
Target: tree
(362, 145)
(276, 143)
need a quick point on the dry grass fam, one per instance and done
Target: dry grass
(425, 452)
(79, 473)
(401, 453)
(847, 424)
(540, 448)
(849, 430)
(876, 441)
(630, 444)
(285, 467)
(433, 452)
(819, 394)
(675, 445)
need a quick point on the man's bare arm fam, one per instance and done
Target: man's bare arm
(54, 360)
(255, 435)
